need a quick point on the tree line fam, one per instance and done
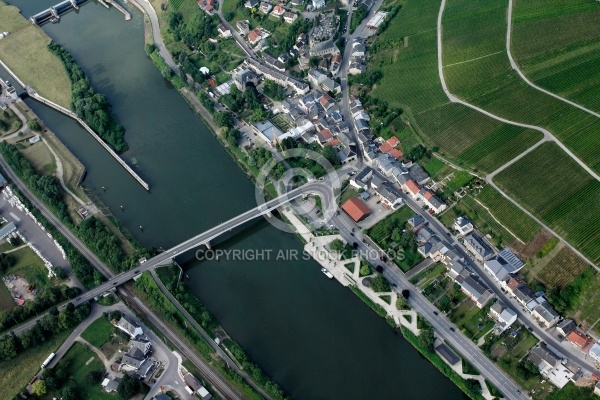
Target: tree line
(90, 106)
(47, 298)
(49, 325)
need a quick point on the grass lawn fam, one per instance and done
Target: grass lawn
(80, 361)
(379, 232)
(349, 193)
(25, 49)
(98, 332)
(30, 267)
(43, 161)
(16, 373)
(411, 81)
(427, 276)
(474, 36)
(436, 168)
(6, 300)
(559, 192)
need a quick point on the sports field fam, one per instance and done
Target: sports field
(569, 64)
(477, 69)
(558, 191)
(407, 54)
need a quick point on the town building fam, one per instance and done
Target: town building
(545, 314)
(361, 179)
(129, 327)
(565, 327)
(595, 351)
(474, 288)
(223, 31)
(579, 339)
(356, 209)
(316, 4)
(265, 7)
(477, 246)
(462, 225)
(290, 17)
(550, 365)
(412, 188)
(245, 77)
(278, 11)
(503, 315)
(110, 385)
(433, 202)
(243, 27)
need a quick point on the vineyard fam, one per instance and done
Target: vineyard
(411, 81)
(569, 64)
(474, 35)
(557, 190)
(507, 213)
(562, 269)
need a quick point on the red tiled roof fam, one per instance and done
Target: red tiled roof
(326, 134)
(254, 36)
(393, 141)
(278, 10)
(579, 339)
(356, 209)
(397, 154)
(412, 186)
(428, 195)
(385, 147)
(333, 142)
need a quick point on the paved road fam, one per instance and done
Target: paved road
(158, 41)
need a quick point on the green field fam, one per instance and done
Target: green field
(411, 81)
(474, 47)
(79, 362)
(17, 372)
(25, 49)
(558, 191)
(508, 214)
(6, 300)
(30, 267)
(562, 269)
(98, 332)
(569, 64)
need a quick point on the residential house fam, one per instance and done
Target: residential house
(290, 17)
(503, 315)
(424, 235)
(206, 5)
(361, 125)
(243, 27)
(389, 196)
(358, 49)
(524, 295)
(356, 68)
(265, 7)
(497, 270)
(412, 188)
(478, 247)
(336, 62)
(254, 37)
(110, 385)
(513, 283)
(416, 222)
(463, 226)
(474, 288)
(418, 174)
(510, 260)
(565, 327)
(545, 314)
(278, 11)
(196, 386)
(550, 365)
(579, 339)
(432, 201)
(595, 351)
(223, 31)
(129, 327)
(316, 4)
(347, 153)
(326, 102)
(297, 3)
(455, 268)
(356, 209)
(361, 179)
(251, 4)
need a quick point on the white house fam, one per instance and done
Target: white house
(290, 17)
(462, 225)
(223, 31)
(503, 315)
(545, 314)
(318, 4)
(131, 328)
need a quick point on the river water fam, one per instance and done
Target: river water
(314, 337)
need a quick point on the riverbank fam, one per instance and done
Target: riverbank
(25, 49)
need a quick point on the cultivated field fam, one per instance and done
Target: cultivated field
(562, 269)
(557, 190)
(474, 35)
(24, 50)
(569, 64)
(508, 214)
(411, 82)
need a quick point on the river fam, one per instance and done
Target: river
(311, 335)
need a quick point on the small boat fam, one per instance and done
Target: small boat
(327, 273)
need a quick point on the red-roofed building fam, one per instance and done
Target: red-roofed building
(385, 147)
(579, 339)
(206, 5)
(397, 154)
(333, 142)
(393, 141)
(356, 209)
(278, 11)
(411, 187)
(254, 36)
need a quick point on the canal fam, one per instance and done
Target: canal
(311, 335)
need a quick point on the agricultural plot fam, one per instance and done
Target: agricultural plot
(411, 81)
(474, 34)
(508, 214)
(558, 191)
(569, 64)
(562, 269)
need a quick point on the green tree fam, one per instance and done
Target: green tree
(129, 387)
(6, 261)
(337, 245)
(313, 61)
(473, 386)
(331, 156)
(223, 119)
(380, 284)
(95, 376)
(401, 303)
(34, 125)
(39, 387)
(426, 337)
(365, 269)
